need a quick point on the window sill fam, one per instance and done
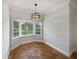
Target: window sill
(22, 36)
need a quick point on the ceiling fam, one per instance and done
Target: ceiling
(44, 6)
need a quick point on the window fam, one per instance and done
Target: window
(37, 29)
(21, 28)
(15, 28)
(27, 28)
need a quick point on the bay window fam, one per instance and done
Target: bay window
(23, 27)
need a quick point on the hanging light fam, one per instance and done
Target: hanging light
(35, 15)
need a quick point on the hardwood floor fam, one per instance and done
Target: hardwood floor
(36, 50)
(74, 55)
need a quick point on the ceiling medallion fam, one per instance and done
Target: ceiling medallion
(35, 15)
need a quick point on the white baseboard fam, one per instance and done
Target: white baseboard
(25, 43)
(58, 49)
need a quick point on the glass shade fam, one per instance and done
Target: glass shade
(35, 16)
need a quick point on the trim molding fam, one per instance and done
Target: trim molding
(58, 49)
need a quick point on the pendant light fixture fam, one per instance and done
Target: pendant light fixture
(35, 15)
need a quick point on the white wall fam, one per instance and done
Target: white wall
(5, 31)
(60, 28)
(56, 28)
(25, 39)
(18, 13)
(21, 13)
(73, 24)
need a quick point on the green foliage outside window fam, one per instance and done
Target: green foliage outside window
(27, 28)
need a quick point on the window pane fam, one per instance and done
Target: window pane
(37, 29)
(15, 28)
(27, 28)
(37, 26)
(37, 32)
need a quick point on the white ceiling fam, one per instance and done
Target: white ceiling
(43, 7)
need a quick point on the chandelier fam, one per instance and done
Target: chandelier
(35, 15)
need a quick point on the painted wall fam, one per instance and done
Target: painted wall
(73, 24)
(25, 39)
(56, 28)
(18, 13)
(5, 31)
(60, 27)
(21, 13)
